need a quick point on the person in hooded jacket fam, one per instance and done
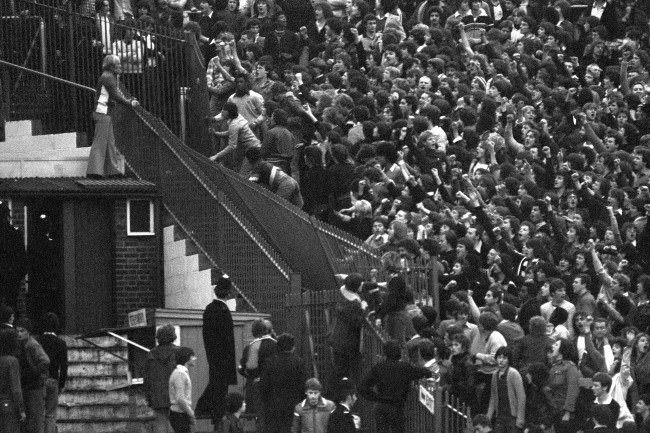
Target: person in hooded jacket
(532, 347)
(161, 361)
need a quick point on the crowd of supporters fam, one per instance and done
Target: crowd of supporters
(506, 141)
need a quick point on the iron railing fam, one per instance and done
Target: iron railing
(71, 46)
(312, 321)
(209, 217)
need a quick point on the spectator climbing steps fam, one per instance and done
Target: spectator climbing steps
(98, 396)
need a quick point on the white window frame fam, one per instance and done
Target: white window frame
(151, 231)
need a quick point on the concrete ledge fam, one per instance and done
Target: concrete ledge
(113, 426)
(94, 355)
(22, 128)
(36, 143)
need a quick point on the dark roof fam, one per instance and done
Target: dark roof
(75, 186)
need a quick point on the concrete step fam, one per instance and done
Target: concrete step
(107, 341)
(104, 412)
(109, 426)
(22, 128)
(94, 397)
(25, 154)
(39, 143)
(95, 383)
(87, 354)
(86, 369)
(192, 290)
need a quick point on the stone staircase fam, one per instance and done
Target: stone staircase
(26, 153)
(189, 275)
(97, 397)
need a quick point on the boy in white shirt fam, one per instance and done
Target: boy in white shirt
(181, 415)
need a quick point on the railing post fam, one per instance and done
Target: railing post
(72, 68)
(437, 419)
(41, 28)
(183, 123)
(435, 290)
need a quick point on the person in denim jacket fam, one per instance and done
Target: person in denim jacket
(563, 385)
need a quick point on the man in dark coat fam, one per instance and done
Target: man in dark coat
(342, 420)
(345, 338)
(387, 385)
(281, 386)
(161, 361)
(219, 342)
(13, 260)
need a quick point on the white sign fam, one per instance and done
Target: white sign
(137, 318)
(427, 400)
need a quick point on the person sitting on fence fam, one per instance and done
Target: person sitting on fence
(312, 414)
(387, 385)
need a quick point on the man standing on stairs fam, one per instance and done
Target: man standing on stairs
(161, 362)
(103, 159)
(219, 342)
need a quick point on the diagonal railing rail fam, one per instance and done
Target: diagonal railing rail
(210, 219)
(71, 46)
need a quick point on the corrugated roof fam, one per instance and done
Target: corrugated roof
(75, 186)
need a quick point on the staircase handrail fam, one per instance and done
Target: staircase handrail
(47, 76)
(315, 224)
(179, 149)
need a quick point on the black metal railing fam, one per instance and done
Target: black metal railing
(68, 45)
(209, 217)
(42, 97)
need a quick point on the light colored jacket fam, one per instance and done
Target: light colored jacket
(516, 395)
(312, 419)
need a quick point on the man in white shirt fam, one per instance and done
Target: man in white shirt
(181, 415)
(557, 291)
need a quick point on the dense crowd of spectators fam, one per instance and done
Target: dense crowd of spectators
(507, 140)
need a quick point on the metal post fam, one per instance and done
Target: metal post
(437, 417)
(182, 102)
(41, 28)
(72, 70)
(435, 289)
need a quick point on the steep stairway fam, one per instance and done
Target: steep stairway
(27, 153)
(189, 276)
(97, 397)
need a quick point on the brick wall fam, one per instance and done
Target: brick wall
(138, 267)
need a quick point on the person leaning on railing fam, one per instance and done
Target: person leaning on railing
(103, 159)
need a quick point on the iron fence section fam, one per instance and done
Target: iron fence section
(213, 222)
(72, 46)
(314, 318)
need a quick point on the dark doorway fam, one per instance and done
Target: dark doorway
(45, 289)
(88, 247)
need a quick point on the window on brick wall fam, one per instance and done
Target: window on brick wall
(139, 218)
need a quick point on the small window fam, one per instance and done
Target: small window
(139, 218)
